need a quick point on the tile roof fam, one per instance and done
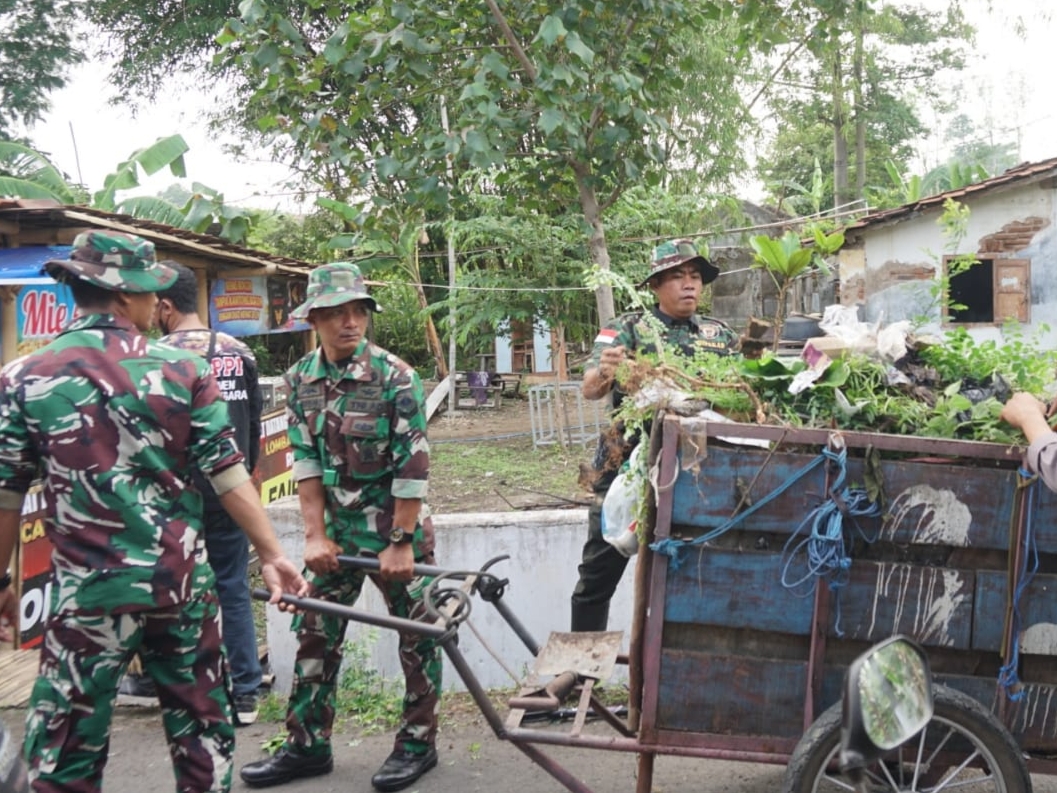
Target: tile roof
(1026, 172)
(45, 213)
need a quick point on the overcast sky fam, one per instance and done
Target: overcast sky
(1006, 88)
(87, 139)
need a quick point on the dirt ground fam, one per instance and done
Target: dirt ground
(510, 418)
(547, 478)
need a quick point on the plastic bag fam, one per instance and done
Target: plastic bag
(621, 505)
(842, 322)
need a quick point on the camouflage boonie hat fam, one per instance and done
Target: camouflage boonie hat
(669, 255)
(114, 261)
(334, 285)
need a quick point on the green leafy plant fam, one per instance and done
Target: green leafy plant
(785, 258)
(369, 699)
(955, 222)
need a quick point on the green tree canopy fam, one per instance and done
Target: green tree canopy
(547, 104)
(851, 98)
(36, 52)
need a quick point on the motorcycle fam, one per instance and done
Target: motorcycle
(897, 731)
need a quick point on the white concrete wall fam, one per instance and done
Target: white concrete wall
(544, 548)
(919, 241)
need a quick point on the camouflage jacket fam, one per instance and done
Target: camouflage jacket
(687, 336)
(235, 370)
(112, 422)
(366, 423)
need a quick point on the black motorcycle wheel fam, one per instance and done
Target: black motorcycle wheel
(964, 748)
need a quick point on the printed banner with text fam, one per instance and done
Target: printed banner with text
(254, 306)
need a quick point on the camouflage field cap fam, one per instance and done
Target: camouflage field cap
(114, 261)
(669, 255)
(333, 285)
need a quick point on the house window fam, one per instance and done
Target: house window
(989, 292)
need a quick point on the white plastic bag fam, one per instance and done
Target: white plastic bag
(621, 505)
(842, 322)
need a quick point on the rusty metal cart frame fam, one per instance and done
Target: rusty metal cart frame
(710, 664)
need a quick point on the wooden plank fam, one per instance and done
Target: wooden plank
(933, 605)
(18, 673)
(1037, 607)
(737, 590)
(929, 503)
(735, 695)
(436, 396)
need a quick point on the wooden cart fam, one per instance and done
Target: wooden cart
(768, 570)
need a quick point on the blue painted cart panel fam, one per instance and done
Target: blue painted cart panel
(739, 654)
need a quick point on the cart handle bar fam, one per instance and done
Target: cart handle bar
(372, 564)
(346, 613)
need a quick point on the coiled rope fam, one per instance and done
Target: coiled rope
(818, 548)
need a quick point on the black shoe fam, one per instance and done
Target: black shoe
(402, 768)
(137, 690)
(246, 710)
(285, 765)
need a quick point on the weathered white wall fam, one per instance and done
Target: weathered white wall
(544, 548)
(915, 248)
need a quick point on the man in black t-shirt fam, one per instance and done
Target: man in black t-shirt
(235, 370)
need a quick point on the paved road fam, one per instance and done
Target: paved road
(472, 760)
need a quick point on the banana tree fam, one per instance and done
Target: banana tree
(786, 258)
(164, 152)
(27, 173)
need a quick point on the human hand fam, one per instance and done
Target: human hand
(1027, 414)
(397, 562)
(282, 577)
(8, 615)
(321, 555)
(611, 358)
(1022, 408)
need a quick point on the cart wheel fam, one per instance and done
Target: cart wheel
(964, 747)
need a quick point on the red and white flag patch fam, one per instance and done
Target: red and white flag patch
(606, 336)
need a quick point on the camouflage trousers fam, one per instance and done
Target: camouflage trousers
(82, 661)
(321, 638)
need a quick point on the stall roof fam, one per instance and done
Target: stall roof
(19, 216)
(22, 265)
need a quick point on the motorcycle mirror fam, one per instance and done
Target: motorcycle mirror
(887, 700)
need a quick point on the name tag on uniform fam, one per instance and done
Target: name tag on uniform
(311, 396)
(359, 426)
(372, 407)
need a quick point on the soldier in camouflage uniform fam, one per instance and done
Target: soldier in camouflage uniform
(235, 369)
(112, 422)
(357, 425)
(678, 273)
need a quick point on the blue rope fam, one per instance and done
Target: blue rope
(673, 548)
(1007, 675)
(823, 543)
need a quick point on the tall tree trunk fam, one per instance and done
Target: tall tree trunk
(561, 416)
(860, 111)
(596, 241)
(840, 144)
(432, 337)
